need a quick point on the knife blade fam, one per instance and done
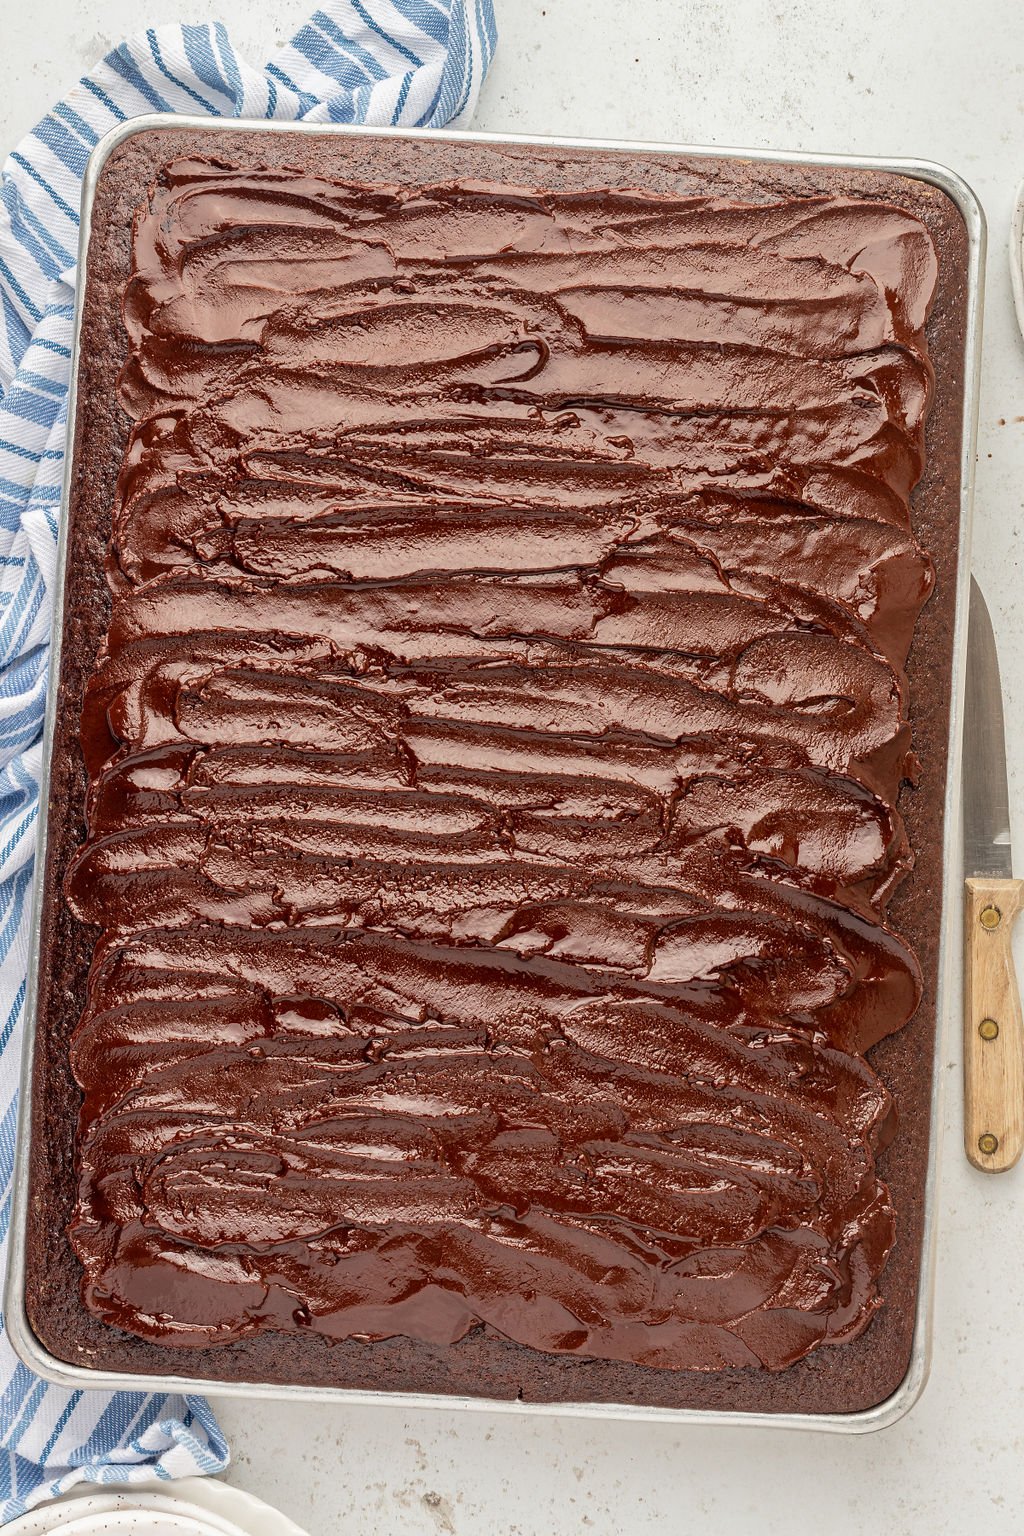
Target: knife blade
(993, 1025)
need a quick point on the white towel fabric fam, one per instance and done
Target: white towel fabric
(414, 62)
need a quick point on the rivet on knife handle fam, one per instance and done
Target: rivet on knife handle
(993, 1027)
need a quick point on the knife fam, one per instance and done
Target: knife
(993, 1027)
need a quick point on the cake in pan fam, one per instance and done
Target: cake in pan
(492, 939)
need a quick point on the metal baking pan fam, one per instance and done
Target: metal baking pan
(19, 1329)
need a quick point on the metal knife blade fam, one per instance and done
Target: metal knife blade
(986, 796)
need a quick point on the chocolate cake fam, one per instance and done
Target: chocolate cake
(484, 947)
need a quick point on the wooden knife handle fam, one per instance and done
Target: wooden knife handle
(993, 1027)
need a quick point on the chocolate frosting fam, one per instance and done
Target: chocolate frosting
(494, 760)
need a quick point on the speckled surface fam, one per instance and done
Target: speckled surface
(739, 73)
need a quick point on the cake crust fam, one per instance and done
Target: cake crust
(842, 1379)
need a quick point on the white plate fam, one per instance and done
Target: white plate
(195, 1506)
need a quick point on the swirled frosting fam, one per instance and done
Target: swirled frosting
(494, 759)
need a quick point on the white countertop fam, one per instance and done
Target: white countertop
(934, 79)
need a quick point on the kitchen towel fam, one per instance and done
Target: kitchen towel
(410, 62)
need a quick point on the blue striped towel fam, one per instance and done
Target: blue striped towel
(418, 62)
